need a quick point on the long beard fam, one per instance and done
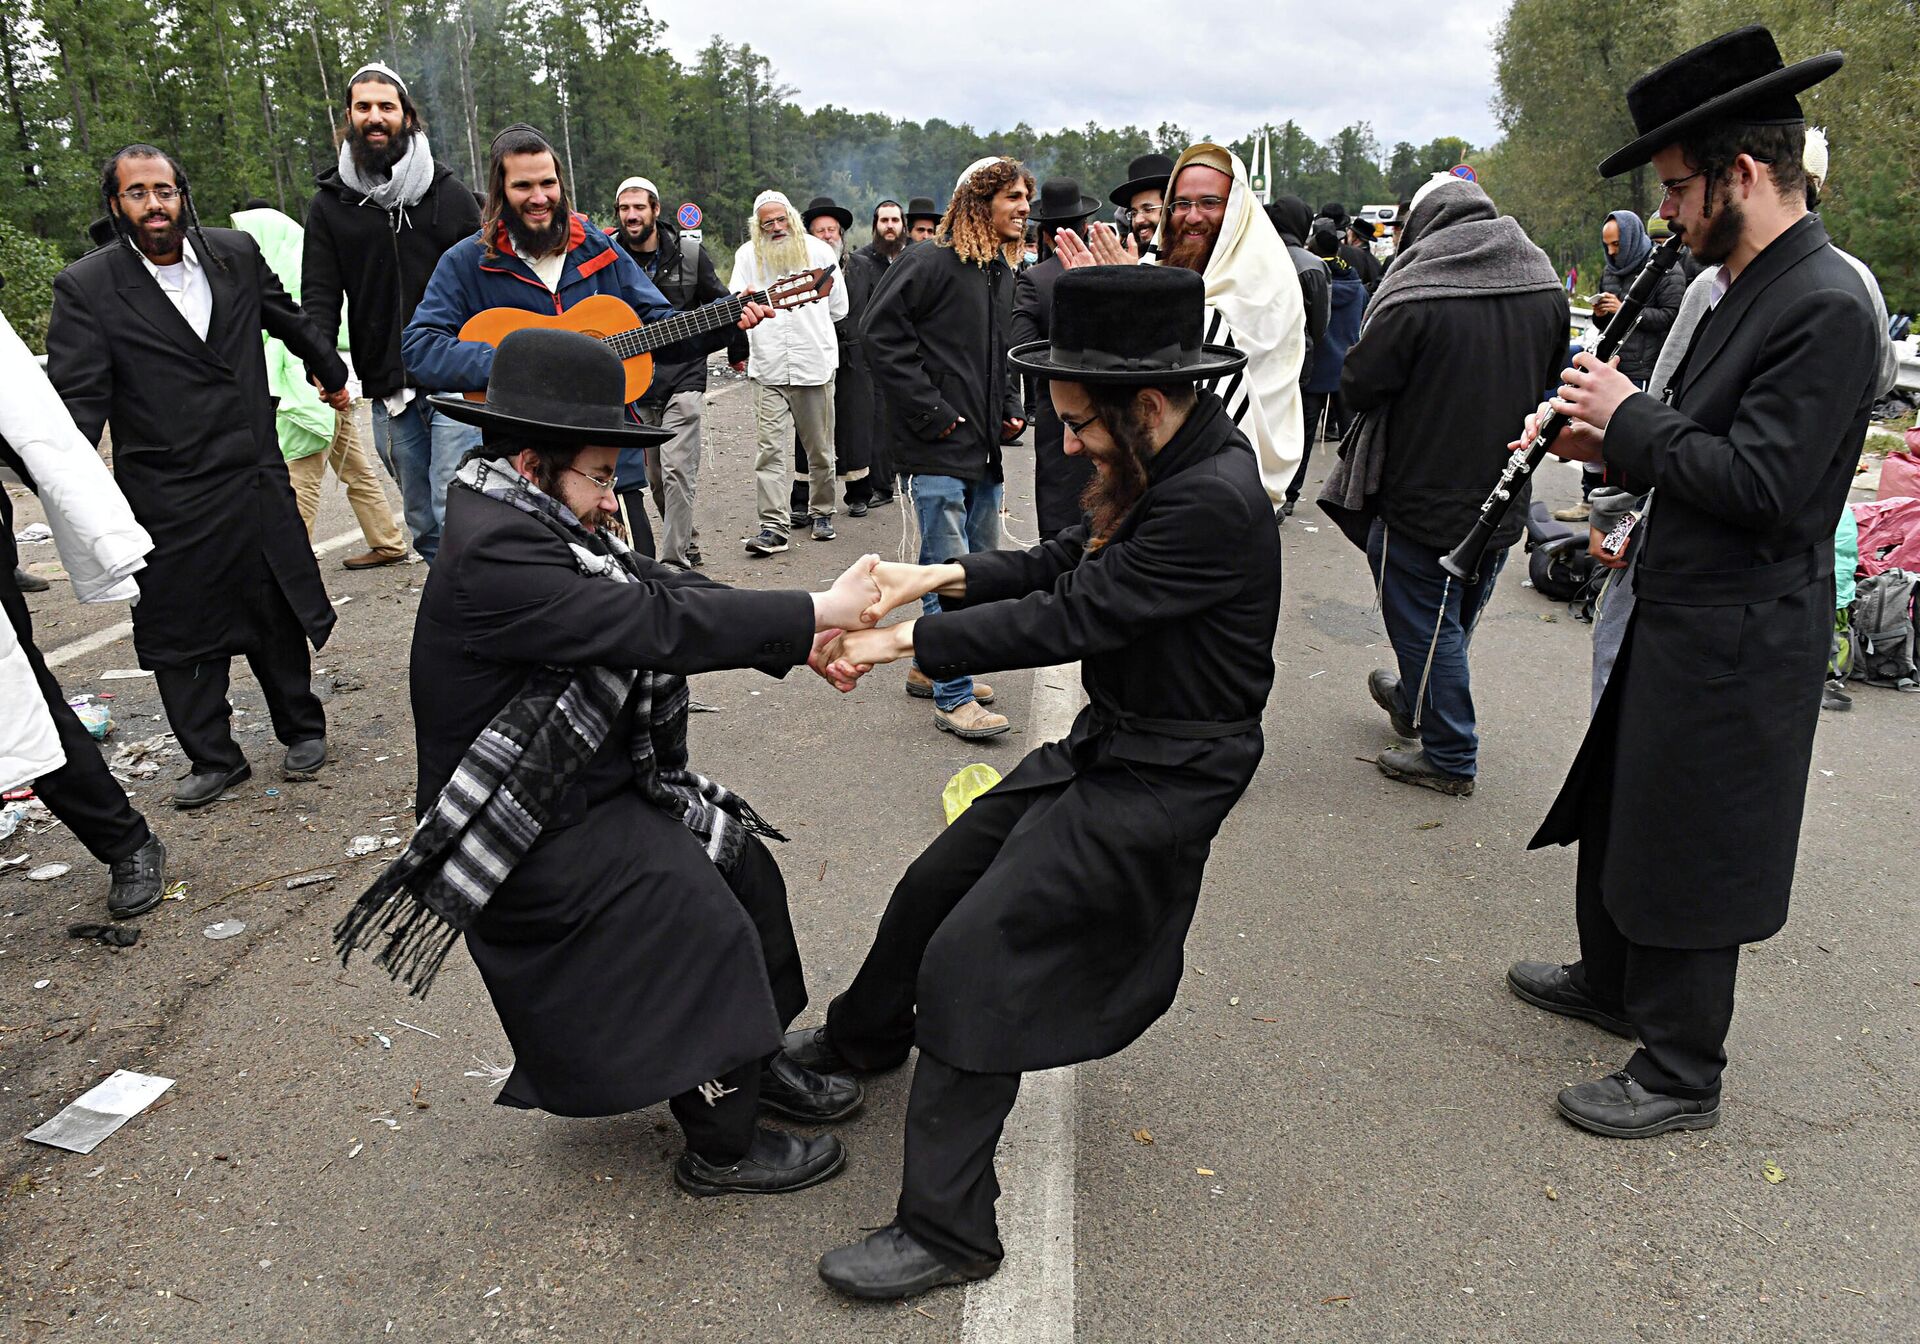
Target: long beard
(538, 242)
(890, 247)
(1117, 484)
(781, 258)
(1191, 253)
(376, 163)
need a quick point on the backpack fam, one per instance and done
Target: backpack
(1884, 637)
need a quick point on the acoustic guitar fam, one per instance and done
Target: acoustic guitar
(613, 323)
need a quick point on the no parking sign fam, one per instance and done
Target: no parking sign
(689, 216)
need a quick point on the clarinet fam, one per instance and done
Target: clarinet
(1463, 562)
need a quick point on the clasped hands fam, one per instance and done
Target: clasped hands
(847, 645)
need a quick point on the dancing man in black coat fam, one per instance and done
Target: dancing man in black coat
(1686, 797)
(1045, 926)
(158, 333)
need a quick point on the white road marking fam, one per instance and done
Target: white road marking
(1030, 1301)
(113, 634)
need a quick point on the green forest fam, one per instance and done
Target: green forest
(247, 93)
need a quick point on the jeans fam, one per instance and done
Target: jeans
(955, 518)
(1426, 609)
(421, 451)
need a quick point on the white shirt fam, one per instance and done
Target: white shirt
(548, 268)
(796, 346)
(185, 284)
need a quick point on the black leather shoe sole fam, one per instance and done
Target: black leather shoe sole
(804, 1179)
(1680, 1120)
(938, 1277)
(1586, 1013)
(200, 788)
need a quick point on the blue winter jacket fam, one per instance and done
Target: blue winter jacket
(466, 281)
(1349, 294)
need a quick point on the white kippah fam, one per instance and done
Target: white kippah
(637, 184)
(382, 69)
(975, 167)
(1427, 189)
(1814, 156)
(768, 197)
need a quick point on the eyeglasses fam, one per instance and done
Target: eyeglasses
(1146, 211)
(604, 487)
(1673, 188)
(164, 195)
(1078, 428)
(1205, 204)
(769, 225)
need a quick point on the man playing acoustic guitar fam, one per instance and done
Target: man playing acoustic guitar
(532, 253)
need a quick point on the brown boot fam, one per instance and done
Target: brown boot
(373, 559)
(920, 687)
(967, 720)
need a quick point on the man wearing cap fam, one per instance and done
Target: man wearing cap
(1058, 479)
(791, 364)
(630, 926)
(1044, 927)
(923, 219)
(377, 226)
(1687, 794)
(1142, 196)
(937, 334)
(683, 273)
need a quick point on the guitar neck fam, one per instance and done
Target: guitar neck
(681, 326)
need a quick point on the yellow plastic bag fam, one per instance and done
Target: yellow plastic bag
(964, 787)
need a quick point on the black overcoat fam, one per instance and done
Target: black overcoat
(853, 423)
(194, 446)
(1693, 774)
(1058, 480)
(623, 967)
(1070, 945)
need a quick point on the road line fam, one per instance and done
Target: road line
(113, 634)
(1030, 1301)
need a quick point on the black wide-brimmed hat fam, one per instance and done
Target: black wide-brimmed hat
(1127, 324)
(1738, 76)
(1062, 202)
(826, 205)
(1149, 172)
(922, 207)
(558, 387)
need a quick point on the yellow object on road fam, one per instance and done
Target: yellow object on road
(964, 787)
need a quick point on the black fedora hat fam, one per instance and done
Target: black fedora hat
(557, 386)
(1149, 172)
(922, 207)
(1736, 76)
(826, 205)
(1061, 202)
(1127, 324)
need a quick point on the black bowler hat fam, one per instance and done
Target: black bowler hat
(922, 207)
(1738, 76)
(1149, 172)
(1137, 325)
(1062, 202)
(555, 386)
(826, 205)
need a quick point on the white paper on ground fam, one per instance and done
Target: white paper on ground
(100, 1110)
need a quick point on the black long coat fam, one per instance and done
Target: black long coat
(624, 969)
(1058, 480)
(1693, 774)
(1070, 948)
(194, 447)
(853, 423)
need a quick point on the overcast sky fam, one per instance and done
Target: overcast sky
(1415, 68)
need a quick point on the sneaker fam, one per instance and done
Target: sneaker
(823, 529)
(920, 687)
(694, 558)
(768, 542)
(799, 518)
(1574, 513)
(857, 509)
(967, 720)
(1834, 697)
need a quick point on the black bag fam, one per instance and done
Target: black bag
(1884, 636)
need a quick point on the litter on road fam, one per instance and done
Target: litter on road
(226, 928)
(100, 1110)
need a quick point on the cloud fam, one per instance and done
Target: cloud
(1414, 70)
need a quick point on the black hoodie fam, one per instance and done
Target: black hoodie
(379, 261)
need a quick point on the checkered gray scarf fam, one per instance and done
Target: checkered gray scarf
(505, 789)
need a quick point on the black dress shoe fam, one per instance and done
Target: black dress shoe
(776, 1164)
(791, 1089)
(203, 786)
(880, 497)
(139, 880)
(857, 510)
(304, 759)
(29, 583)
(1413, 767)
(1618, 1107)
(1546, 984)
(1384, 687)
(890, 1264)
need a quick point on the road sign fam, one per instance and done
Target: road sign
(1465, 170)
(689, 216)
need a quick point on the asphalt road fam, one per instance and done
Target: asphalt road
(1350, 1121)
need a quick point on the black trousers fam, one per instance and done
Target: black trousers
(81, 793)
(947, 1185)
(719, 1121)
(1680, 999)
(639, 526)
(195, 695)
(1313, 406)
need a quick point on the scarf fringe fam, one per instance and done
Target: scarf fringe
(418, 937)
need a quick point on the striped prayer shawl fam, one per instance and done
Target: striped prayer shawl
(503, 793)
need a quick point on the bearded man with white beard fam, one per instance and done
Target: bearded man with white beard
(792, 363)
